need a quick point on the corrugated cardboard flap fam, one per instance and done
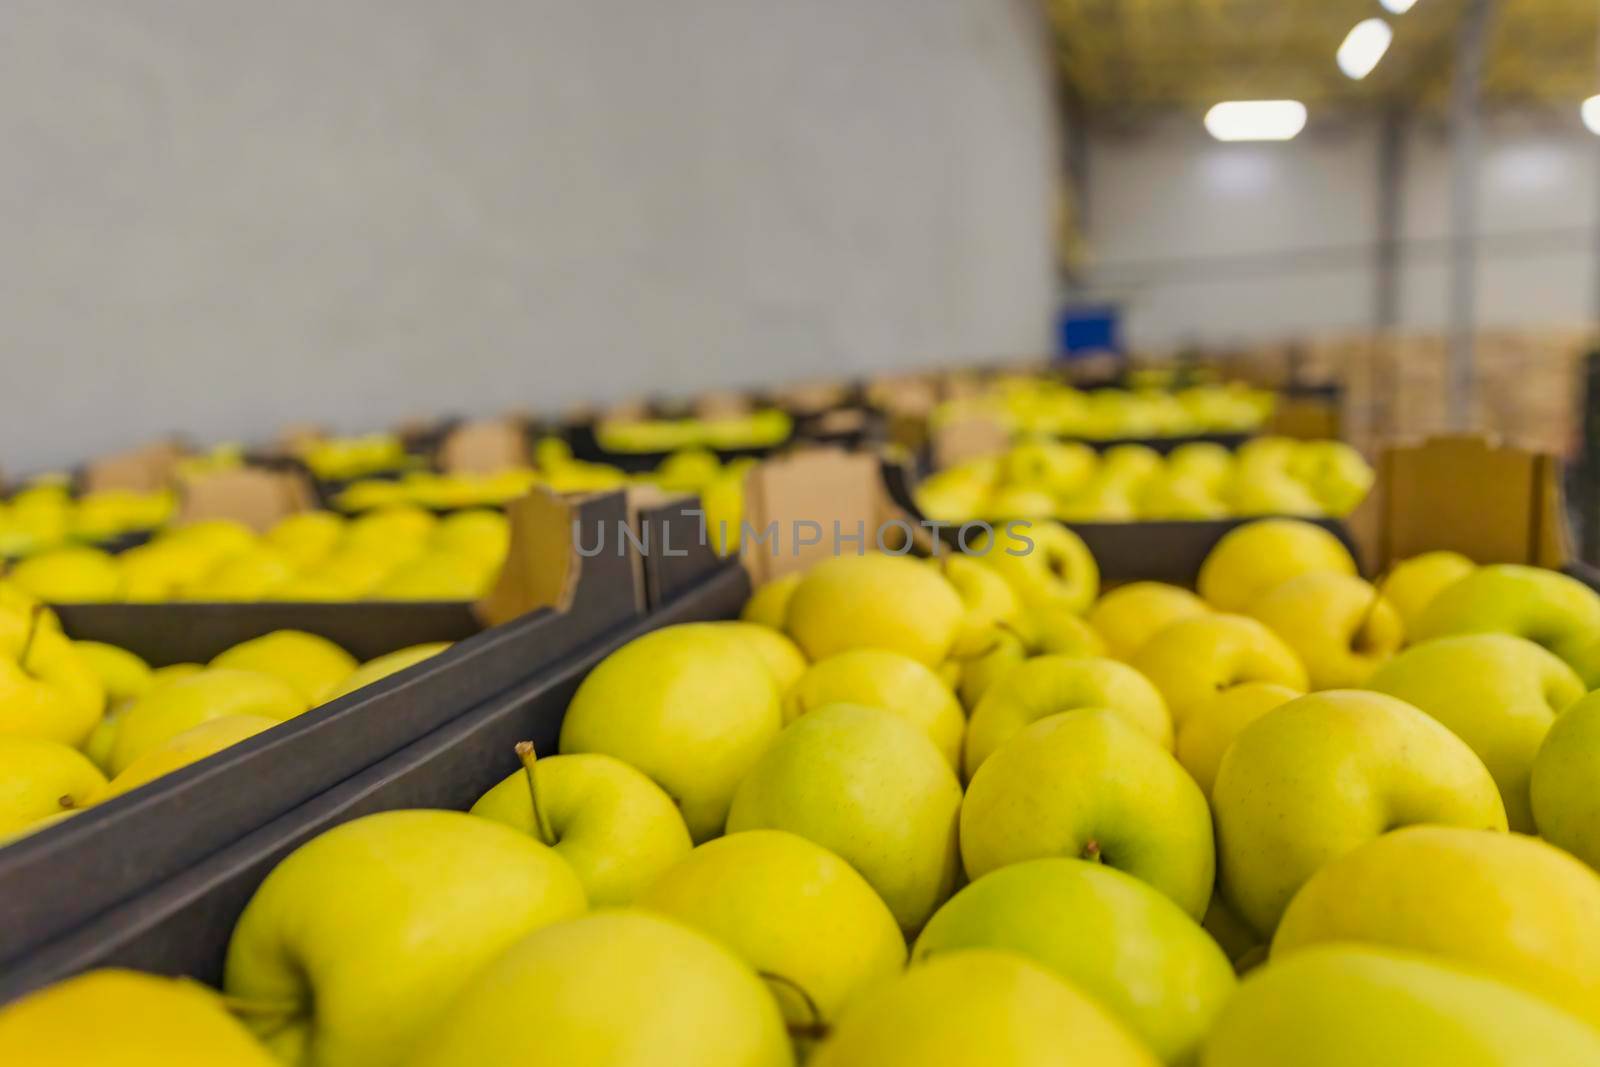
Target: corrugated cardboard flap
(1488, 501)
(543, 563)
(809, 494)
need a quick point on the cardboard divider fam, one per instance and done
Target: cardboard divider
(1491, 502)
(182, 925)
(485, 446)
(60, 877)
(259, 497)
(141, 470)
(798, 506)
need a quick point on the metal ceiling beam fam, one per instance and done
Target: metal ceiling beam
(1465, 133)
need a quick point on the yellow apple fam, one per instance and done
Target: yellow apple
(886, 680)
(875, 601)
(1357, 1006)
(1256, 557)
(1128, 616)
(1508, 906)
(1194, 659)
(1212, 725)
(127, 1019)
(1339, 626)
(1318, 777)
(1412, 584)
(310, 663)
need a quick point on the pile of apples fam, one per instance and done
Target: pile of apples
(766, 428)
(46, 515)
(82, 722)
(968, 811)
(1045, 478)
(396, 553)
(1028, 406)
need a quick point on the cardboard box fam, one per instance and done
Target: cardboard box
(551, 603)
(181, 925)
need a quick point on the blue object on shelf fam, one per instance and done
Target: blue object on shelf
(1090, 329)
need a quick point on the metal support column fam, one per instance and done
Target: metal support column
(1391, 207)
(1465, 123)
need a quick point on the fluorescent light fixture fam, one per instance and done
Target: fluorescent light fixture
(1364, 47)
(1256, 120)
(1591, 114)
(1398, 7)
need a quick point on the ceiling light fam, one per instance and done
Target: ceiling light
(1591, 114)
(1256, 120)
(1364, 47)
(1398, 7)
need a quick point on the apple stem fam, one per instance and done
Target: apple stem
(1091, 851)
(529, 758)
(66, 802)
(34, 616)
(816, 1029)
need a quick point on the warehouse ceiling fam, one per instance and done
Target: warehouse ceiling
(1128, 56)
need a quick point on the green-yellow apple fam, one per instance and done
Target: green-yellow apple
(1103, 931)
(621, 988)
(1254, 558)
(980, 1008)
(247, 575)
(1269, 493)
(1045, 563)
(1131, 463)
(875, 601)
(383, 666)
(690, 706)
(871, 787)
(1549, 609)
(1566, 804)
(1087, 785)
(989, 600)
(1413, 583)
(1206, 461)
(1130, 615)
(792, 910)
(615, 827)
(1338, 475)
(310, 663)
(780, 655)
(1018, 502)
(1056, 466)
(1319, 777)
(981, 672)
(69, 575)
(879, 679)
(1499, 694)
(1196, 658)
(1211, 725)
(1049, 685)
(47, 689)
(354, 946)
(477, 532)
(40, 778)
(180, 750)
(769, 604)
(1358, 1006)
(1055, 630)
(1509, 906)
(169, 710)
(1172, 496)
(306, 537)
(1339, 626)
(435, 574)
(138, 1020)
(123, 675)
(1106, 498)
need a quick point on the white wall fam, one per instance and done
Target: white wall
(1218, 244)
(219, 216)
